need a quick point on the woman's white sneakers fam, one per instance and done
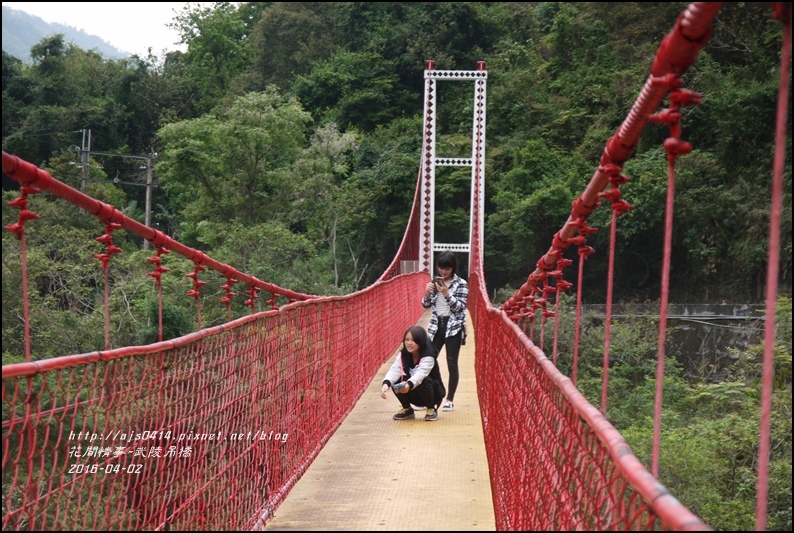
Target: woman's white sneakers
(448, 406)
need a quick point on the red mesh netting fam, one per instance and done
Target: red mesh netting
(209, 432)
(556, 463)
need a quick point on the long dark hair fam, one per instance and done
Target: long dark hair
(426, 348)
(419, 335)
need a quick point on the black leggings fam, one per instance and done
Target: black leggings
(421, 395)
(453, 351)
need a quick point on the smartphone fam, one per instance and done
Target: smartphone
(439, 280)
(400, 386)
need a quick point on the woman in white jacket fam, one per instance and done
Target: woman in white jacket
(414, 376)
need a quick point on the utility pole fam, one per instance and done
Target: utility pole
(86, 151)
(148, 219)
(150, 159)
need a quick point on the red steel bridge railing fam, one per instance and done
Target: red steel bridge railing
(210, 430)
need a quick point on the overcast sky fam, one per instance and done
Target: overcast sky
(129, 26)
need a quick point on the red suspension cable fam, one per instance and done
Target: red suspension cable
(782, 12)
(674, 147)
(18, 228)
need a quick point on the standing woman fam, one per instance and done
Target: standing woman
(414, 376)
(447, 296)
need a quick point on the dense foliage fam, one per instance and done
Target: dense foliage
(709, 437)
(287, 141)
(562, 77)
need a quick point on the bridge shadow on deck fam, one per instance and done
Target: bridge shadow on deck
(376, 473)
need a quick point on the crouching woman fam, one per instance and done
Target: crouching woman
(414, 376)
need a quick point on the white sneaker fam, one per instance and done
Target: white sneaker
(448, 406)
(418, 407)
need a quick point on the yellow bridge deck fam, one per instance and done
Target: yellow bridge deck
(380, 474)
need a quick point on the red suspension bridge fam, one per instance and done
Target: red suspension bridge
(565, 468)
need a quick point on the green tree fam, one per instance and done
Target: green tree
(323, 200)
(529, 200)
(289, 38)
(230, 164)
(219, 47)
(352, 90)
(385, 169)
(17, 93)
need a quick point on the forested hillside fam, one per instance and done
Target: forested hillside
(286, 142)
(288, 136)
(21, 31)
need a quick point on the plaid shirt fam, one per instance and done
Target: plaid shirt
(458, 294)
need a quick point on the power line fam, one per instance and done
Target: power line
(703, 320)
(45, 134)
(117, 181)
(128, 156)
